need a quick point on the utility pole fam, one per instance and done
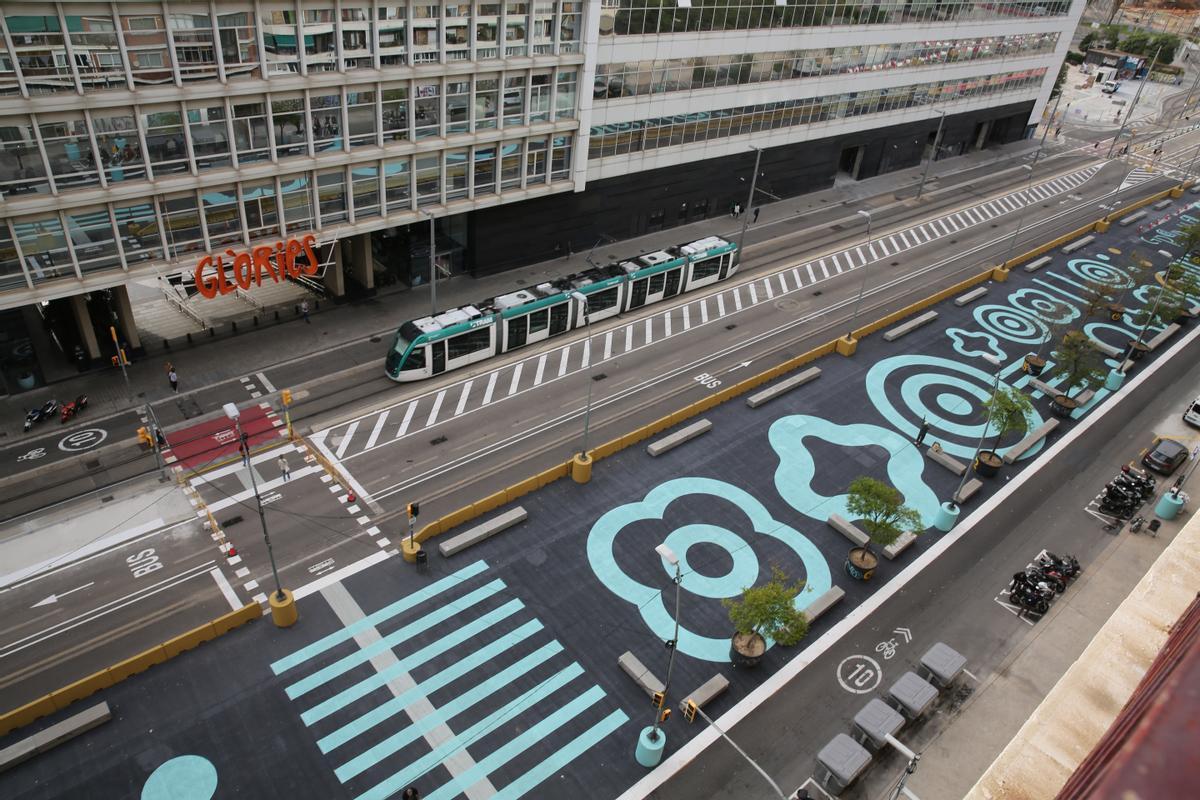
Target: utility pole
(749, 201)
(1136, 97)
(937, 138)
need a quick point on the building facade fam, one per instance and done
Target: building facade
(139, 139)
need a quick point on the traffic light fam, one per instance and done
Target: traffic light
(144, 436)
(414, 509)
(286, 397)
(657, 699)
(666, 715)
(689, 710)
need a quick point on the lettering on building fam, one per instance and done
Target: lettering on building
(229, 271)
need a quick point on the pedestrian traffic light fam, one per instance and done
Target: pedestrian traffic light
(144, 436)
(414, 509)
(666, 715)
(286, 397)
(689, 710)
(657, 699)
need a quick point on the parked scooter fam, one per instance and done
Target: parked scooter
(1140, 475)
(1122, 511)
(1140, 488)
(74, 407)
(48, 410)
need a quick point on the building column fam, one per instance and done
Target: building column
(334, 280)
(125, 318)
(83, 321)
(361, 268)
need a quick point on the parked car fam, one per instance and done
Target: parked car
(1192, 415)
(1165, 456)
(1110, 87)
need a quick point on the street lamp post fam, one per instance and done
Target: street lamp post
(231, 411)
(587, 411)
(652, 741)
(750, 198)
(1021, 215)
(937, 137)
(1133, 105)
(432, 265)
(866, 262)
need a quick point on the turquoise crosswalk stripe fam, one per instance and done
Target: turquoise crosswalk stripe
(385, 613)
(397, 704)
(563, 756)
(514, 747)
(364, 654)
(368, 685)
(439, 754)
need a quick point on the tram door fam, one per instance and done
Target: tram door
(672, 286)
(558, 319)
(439, 357)
(726, 260)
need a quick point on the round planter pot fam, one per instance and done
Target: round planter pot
(747, 649)
(861, 563)
(987, 464)
(1063, 406)
(1115, 311)
(1137, 351)
(26, 380)
(1034, 365)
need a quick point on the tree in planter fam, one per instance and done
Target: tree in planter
(1177, 296)
(1009, 410)
(1078, 362)
(1095, 297)
(882, 511)
(767, 611)
(1189, 238)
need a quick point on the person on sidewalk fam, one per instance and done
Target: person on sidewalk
(733, 209)
(284, 469)
(173, 377)
(756, 215)
(304, 311)
(737, 210)
(922, 433)
(244, 448)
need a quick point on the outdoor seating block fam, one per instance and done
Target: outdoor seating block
(910, 326)
(1040, 432)
(948, 461)
(913, 694)
(1195, 189)
(826, 601)
(968, 491)
(844, 759)
(771, 392)
(899, 546)
(1107, 349)
(943, 663)
(482, 531)
(1161, 204)
(1044, 388)
(970, 297)
(636, 670)
(1085, 397)
(1132, 218)
(877, 721)
(707, 693)
(1038, 263)
(1164, 334)
(1079, 244)
(1126, 365)
(848, 530)
(54, 735)
(677, 438)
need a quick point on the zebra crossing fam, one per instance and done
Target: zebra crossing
(1137, 176)
(455, 687)
(411, 417)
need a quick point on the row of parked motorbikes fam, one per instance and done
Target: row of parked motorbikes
(51, 408)
(1033, 588)
(1124, 494)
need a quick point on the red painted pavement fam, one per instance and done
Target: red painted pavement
(216, 439)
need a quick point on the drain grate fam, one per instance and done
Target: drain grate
(817, 293)
(438, 440)
(895, 263)
(730, 327)
(94, 463)
(376, 339)
(107, 499)
(229, 523)
(600, 377)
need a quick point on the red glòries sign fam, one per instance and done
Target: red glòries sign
(285, 259)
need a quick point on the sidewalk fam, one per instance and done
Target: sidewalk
(210, 362)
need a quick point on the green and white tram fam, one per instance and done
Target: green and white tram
(461, 336)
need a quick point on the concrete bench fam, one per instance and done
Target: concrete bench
(1085, 397)
(482, 531)
(54, 735)
(1194, 189)
(1079, 244)
(771, 392)
(951, 463)
(968, 491)
(678, 437)
(826, 601)
(970, 297)
(910, 326)
(1161, 204)
(847, 529)
(1038, 263)
(1164, 334)
(893, 550)
(1043, 387)
(636, 670)
(712, 687)
(1107, 349)
(1020, 448)
(1125, 222)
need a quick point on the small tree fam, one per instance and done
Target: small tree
(1095, 297)
(1078, 362)
(1189, 238)
(1010, 410)
(770, 610)
(882, 511)
(1181, 285)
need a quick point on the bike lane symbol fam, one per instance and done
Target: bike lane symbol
(859, 674)
(33, 454)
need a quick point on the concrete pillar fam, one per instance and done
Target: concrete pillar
(83, 320)
(125, 317)
(361, 267)
(334, 279)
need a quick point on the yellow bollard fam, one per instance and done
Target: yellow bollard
(846, 345)
(1102, 226)
(409, 549)
(581, 468)
(283, 610)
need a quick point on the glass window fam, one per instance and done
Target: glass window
(221, 216)
(365, 178)
(395, 114)
(485, 32)
(600, 301)
(210, 137)
(510, 165)
(8, 79)
(560, 163)
(535, 160)
(195, 51)
(164, 141)
(539, 98)
(117, 141)
(291, 131)
(356, 38)
(429, 180)
(97, 54)
(471, 342)
(69, 152)
(146, 41)
(297, 204)
(331, 194)
(262, 213)
(486, 107)
(138, 228)
(44, 247)
(279, 40)
(40, 52)
(21, 167)
(360, 109)
(458, 101)
(514, 100)
(11, 274)
(181, 218)
(326, 121)
(428, 109)
(392, 45)
(396, 178)
(456, 174)
(485, 170)
(250, 132)
(92, 238)
(320, 40)
(564, 95)
(239, 45)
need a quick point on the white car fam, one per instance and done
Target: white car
(1192, 415)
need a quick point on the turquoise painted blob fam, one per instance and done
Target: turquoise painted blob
(797, 468)
(652, 601)
(182, 778)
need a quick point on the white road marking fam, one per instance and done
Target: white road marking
(266, 384)
(408, 415)
(737, 298)
(687, 322)
(783, 289)
(437, 406)
(767, 288)
(587, 354)
(962, 222)
(607, 346)
(862, 258)
(344, 445)
(796, 275)
(252, 394)
(811, 276)
(538, 373)
(883, 248)
(925, 232)
(904, 238)
(462, 398)
(226, 589)
(942, 225)
(875, 256)
(491, 386)
(516, 378)
(667, 322)
(383, 415)
(562, 364)
(703, 313)
(649, 331)
(628, 337)
(720, 305)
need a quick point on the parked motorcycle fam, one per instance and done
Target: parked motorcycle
(1123, 511)
(1067, 566)
(1140, 475)
(48, 410)
(1029, 595)
(1052, 577)
(74, 407)
(1140, 488)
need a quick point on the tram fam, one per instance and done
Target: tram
(462, 336)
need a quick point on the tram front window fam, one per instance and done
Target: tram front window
(396, 362)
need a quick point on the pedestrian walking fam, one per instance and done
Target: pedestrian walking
(173, 377)
(411, 793)
(244, 447)
(756, 214)
(921, 433)
(733, 209)
(304, 311)
(284, 469)
(737, 210)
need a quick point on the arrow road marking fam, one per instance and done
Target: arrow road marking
(54, 597)
(739, 366)
(905, 632)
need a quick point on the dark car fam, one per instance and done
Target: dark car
(1166, 456)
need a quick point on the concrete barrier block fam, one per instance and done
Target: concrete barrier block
(1161, 204)
(235, 619)
(521, 489)
(490, 503)
(54, 735)
(826, 601)
(1019, 449)
(85, 687)
(679, 437)
(139, 663)
(910, 326)
(1163, 335)
(1037, 263)
(1079, 244)
(902, 543)
(485, 530)
(939, 456)
(1128, 220)
(970, 297)
(783, 387)
(847, 529)
(635, 669)
(187, 641)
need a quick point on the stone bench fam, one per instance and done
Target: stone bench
(636, 670)
(1019, 449)
(54, 735)
(910, 326)
(968, 491)
(1043, 387)
(970, 297)
(712, 687)
(771, 392)
(1084, 397)
(948, 461)
(847, 529)
(1079, 244)
(1164, 334)
(893, 550)
(1125, 222)
(828, 599)
(482, 531)
(1194, 189)
(1038, 263)
(1161, 204)
(1107, 349)
(678, 437)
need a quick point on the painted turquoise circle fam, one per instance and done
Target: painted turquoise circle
(911, 391)
(743, 573)
(1010, 323)
(182, 778)
(1108, 274)
(951, 403)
